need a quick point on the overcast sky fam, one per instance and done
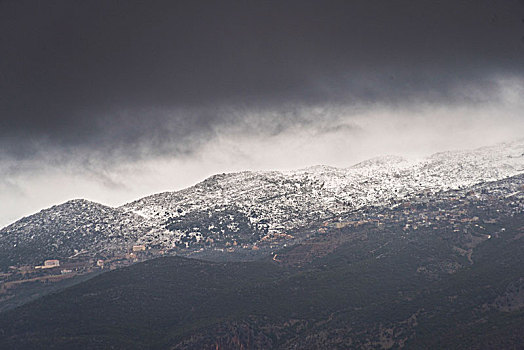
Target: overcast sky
(113, 100)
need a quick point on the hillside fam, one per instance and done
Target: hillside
(438, 271)
(77, 227)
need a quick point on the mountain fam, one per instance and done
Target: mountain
(388, 253)
(437, 270)
(240, 211)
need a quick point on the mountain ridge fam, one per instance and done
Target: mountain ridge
(246, 208)
(372, 161)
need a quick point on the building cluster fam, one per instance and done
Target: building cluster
(54, 270)
(49, 264)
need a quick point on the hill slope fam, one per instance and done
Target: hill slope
(73, 228)
(443, 271)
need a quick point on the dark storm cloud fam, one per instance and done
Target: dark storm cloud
(124, 77)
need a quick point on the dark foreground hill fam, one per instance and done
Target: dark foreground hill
(458, 283)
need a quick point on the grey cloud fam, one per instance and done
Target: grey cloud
(129, 78)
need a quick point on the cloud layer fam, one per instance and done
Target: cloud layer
(93, 92)
(101, 75)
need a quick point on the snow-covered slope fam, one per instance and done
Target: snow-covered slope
(283, 201)
(247, 207)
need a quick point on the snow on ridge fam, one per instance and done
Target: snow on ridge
(388, 160)
(291, 198)
(278, 201)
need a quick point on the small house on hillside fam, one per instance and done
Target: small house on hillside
(48, 264)
(51, 263)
